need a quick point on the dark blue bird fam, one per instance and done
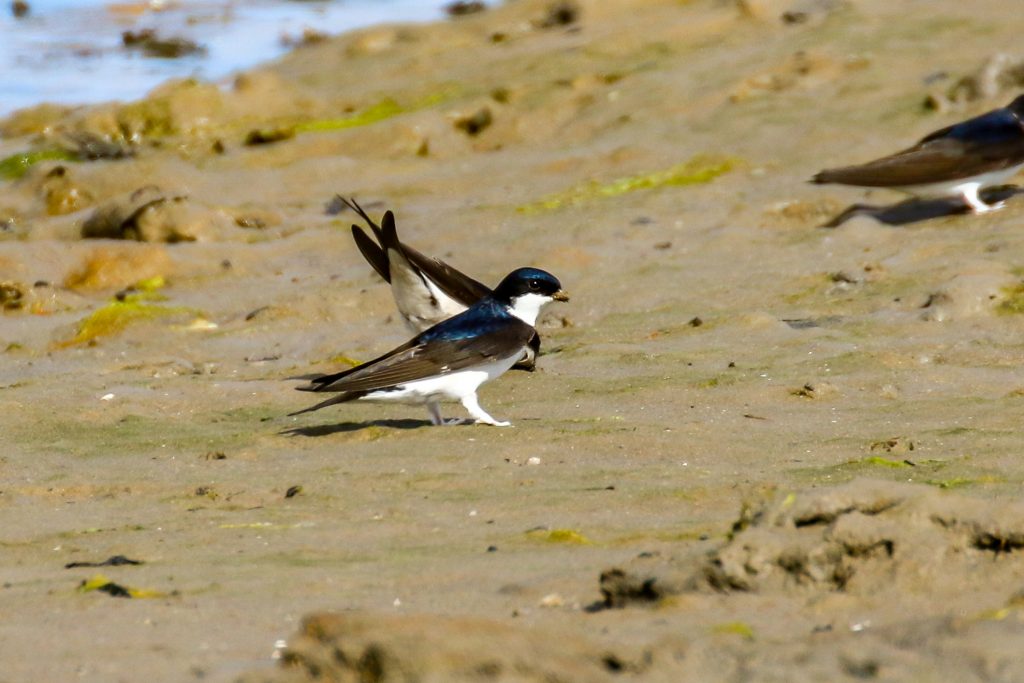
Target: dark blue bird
(426, 290)
(960, 160)
(453, 358)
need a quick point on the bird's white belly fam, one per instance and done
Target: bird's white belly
(453, 386)
(953, 188)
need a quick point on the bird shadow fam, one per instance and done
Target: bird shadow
(344, 427)
(916, 210)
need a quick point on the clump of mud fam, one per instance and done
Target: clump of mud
(359, 646)
(151, 215)
(865, 537)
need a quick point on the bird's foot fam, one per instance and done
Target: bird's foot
(494, 423)
(479, 414)
(978, 205)
(993, 207)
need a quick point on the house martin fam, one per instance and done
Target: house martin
(958, 161)
(426, 290)
(454, 357)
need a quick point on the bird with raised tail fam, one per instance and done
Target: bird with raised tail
(426, 290)
(957, 161)
(450, 360)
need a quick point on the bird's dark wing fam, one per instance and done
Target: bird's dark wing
(412, 291)
(415, 278)
(354, 205)
(370, 250)
(937, 161)
(438, 354)
(373, 254)
(448, 279)
(987, 143)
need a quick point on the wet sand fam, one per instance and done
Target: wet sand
(767, 450)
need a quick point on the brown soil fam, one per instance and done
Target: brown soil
(733, 464)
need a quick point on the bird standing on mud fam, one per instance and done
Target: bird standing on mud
(426, 290)
(959, 161)
(453, 358)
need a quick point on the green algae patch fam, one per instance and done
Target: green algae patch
(17, 165)
(569, 536)
(1013, 302)
(949, 474)
(885, 462)
(115, 316)
(385, 109)
(101, 583)
(963, 482)
(736, 628)
(262, 525)
(696, 171)
(723, 380)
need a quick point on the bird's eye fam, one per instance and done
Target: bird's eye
(534, 285)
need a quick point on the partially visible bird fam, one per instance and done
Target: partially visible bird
(453, 358)
(426, 290)
(959, 160)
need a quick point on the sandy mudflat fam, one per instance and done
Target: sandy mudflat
(768, 451)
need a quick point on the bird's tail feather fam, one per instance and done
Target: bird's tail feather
(340, 398)
(308, 377)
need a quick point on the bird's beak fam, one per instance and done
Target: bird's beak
(560, 295)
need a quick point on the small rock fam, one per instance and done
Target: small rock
(92, 146)
(266, 136)
(898, 445)
(152, 45)
(552, 600)
(463, 8)
(309, 36)
(817, 390)
(12, 295)
(562, 13)
(63, 194)
(475, 123)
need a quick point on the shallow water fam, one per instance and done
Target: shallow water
(70, 51)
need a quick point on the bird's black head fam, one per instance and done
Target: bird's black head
(1017, 107)
(524, 281)
(526, 290)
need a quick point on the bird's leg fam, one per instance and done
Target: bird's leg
(472, 406)
(435, 415)
(970, 195)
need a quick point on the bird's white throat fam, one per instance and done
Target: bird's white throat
(527, 307)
